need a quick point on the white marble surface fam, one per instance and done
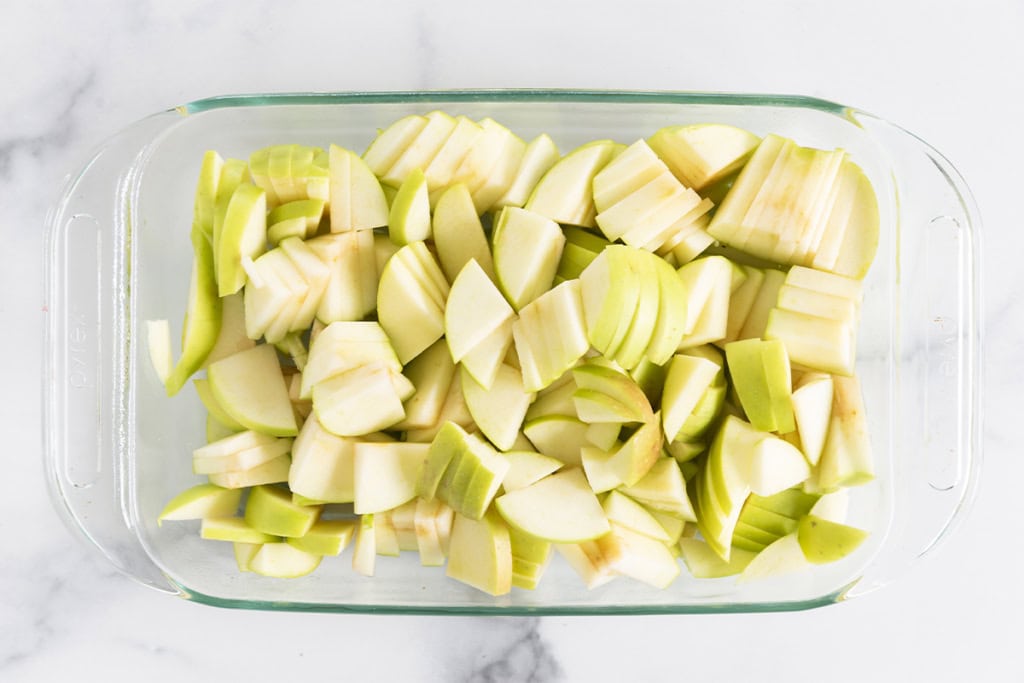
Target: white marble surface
(76, 72)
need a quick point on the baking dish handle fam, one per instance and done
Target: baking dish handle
(85, 375)
(937, 444)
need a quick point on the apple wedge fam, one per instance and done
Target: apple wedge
(563, 194)
(480, 553)
(243, 235)
(560, 508)
(270, 509)
(200, 502)
(458, 234)
(539, 156)
(325, 537)
(498, 411)
(357, 201)
(475, 309)
(702, 154)
(249, 387)
(385, 474)
(409, 216)
(527, 248)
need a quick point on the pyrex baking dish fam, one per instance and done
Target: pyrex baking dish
(117, 254)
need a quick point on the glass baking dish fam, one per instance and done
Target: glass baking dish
(117, 254)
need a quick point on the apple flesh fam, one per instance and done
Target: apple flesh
(480, 553)
(249, 387)
(200, 502)
(560, 508)
(564, 192)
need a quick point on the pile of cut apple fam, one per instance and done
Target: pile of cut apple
(473, 348)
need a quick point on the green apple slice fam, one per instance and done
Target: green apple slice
(244, 552)
(344, 346)
(325, 537)
(249, 387)
(764, 302)
(454, 410)
(391, 142)
(623, 511)
(484, 159)
(610, 290)
(410, 317)
(431, 373)
(670, 325)
(357, 201)
(761, 376)
(322, 464)
(202, 317)
(782, 557)
(742, 299)
(231, 337)
(245, 459)
(586, 560)
(428, 541)
(233, 173)
(593, 379)
(206, 192)
(709, 283)
(233, 529)
(158, 342)
(498, 178)
(673, 526)
(272, 472)
(475, 308)
(385, 474)
(563, 194)
(243, 235)
(540, 155)
(403, 519)
(409, 218)
(480, 554)
(530, 557)
(445, 454)
(361, 401)
(351, 291)
(458, 233)
(558, 436)
(629, 171)
(200, 502)
(422, 149)
(498, 411)
(702, 154)
(663, 488)
(637, 556)
(555, 399)
(704, 563)
(527, 248)
(817, 343)
(641, 328)
(550, 335)
(483, 361)
(812, 412)
(308, 212)
(791, 503)
(526, 468)
(861, 230)
(385, 536)
(283, 229)
(846, 457)
(560, 508)
(463, 138)
(270, 509)
(686, 382)
(365, 553)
